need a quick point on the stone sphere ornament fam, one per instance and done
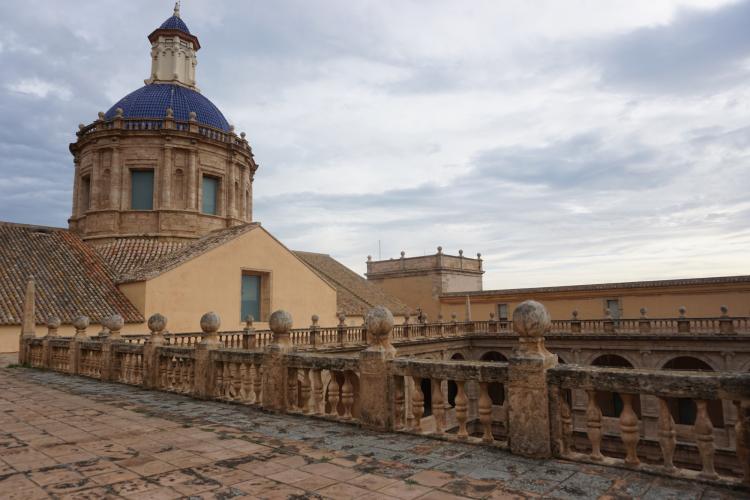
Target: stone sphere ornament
(53, 322)
(280, 322)
(81, 322)
(379, 324)
(157, 323)
(531, 319)
(210, 323)
(114, 322)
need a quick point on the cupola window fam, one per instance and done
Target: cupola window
(210, 195)
(142, 190)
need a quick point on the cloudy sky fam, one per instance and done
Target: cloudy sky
(567, 141)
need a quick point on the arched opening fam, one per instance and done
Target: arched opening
(610, 402)
(426, 386)
(495, 389)
(683, 410)
(452, 387)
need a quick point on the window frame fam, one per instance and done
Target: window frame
(217, 194)
(133, 172)
(265, 293)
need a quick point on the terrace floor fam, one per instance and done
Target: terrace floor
(70, 437)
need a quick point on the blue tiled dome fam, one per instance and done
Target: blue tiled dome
(175, 23)
(153, 100)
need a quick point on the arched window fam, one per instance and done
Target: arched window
(496, 390)
(610, 402)
(683, 410)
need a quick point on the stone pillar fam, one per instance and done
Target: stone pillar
(204, 373)
(165, 183)
(53, 323)
(156, 324)
(115, 187)
(528, 397)
(275, 372)
(95, 181)
(192, 180)
(315, 332)
(113, 324)
(376, 386)
(28, 325)
(249, 340)
(80, 324)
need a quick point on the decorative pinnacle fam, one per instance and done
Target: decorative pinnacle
(177, 9)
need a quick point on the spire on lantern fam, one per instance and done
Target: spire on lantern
(177, 8)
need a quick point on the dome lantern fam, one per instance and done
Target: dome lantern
(173, 50)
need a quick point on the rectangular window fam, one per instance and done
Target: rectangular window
(250, 297)
(85, 193)
(502, 311)
(142, 190)
(613, 306)
(210, 195)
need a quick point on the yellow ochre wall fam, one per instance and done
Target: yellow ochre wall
(9, 334)
(212, 282)
(665, 304)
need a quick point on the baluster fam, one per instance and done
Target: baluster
(244, 382)
(177, 386)
(139, 368)
(187, 375)
(629, 430)
(292, 389)
(438, 406)
(257, 382)
(594, 425)
(305, 391)
(462, 407)
(219, 367)
(485, 412)
(163, 372)
(400, 399)
(417, 404)
(317, 392)
(333, 395)
(704, 437)
(234, 369)
(566, 418)
(347, 396)
(227, 387)
(667, 435)
(742, 437)
(128, 366)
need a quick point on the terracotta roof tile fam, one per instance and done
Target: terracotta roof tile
(128, 255)
(71, 278)
(355, 295)
(162, 261)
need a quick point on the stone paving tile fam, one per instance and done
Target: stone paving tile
(71, 437)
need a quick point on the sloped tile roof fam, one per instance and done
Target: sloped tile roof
(154, 267)
(71, 277)
(355, 295)
(129, 255)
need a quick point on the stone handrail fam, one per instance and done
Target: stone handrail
(631, 385)
(522, 405)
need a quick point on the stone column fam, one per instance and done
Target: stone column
(53, 323)
(165, 184)
(204, 373)
(376, 385)
(115, 179)
(95, 181)
(113, 324)
(192, 192)
(28, 326)
(275, 372)
(81, 323)
(528, 397)
(156, 324)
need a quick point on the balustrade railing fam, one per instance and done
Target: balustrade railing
(696, 388)
(523, 405)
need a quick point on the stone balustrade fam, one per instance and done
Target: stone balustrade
(522, 405)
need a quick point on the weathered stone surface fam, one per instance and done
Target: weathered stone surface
(379, 323)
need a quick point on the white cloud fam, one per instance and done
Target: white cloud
(39, 88)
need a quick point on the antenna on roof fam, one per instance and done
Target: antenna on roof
(177, 8)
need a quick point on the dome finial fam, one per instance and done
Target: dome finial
(177, 8)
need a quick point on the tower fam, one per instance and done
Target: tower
(163, 162)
